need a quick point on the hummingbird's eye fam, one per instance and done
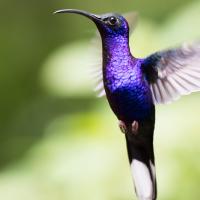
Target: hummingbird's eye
(112, 21)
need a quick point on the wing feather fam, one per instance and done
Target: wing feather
(178, 73)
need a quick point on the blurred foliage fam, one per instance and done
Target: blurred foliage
(56, 138)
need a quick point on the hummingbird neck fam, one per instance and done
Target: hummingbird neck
(116, 48)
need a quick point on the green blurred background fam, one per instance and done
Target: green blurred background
(57, 141)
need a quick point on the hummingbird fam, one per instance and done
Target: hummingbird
(134, 86)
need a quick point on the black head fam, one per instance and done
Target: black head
(109, 25)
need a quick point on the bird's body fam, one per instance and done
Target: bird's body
(126, 86)
(129, 95)
(127, 90)
(133, 86)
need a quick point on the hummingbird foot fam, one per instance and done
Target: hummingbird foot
(135, 126)
(122, 126)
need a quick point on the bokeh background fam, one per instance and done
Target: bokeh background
(57, 140)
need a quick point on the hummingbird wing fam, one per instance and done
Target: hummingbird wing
(173, 73)
(132, 18)
(96, 56)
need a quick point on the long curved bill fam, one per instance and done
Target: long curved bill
(91, 16)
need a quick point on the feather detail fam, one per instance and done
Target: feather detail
(99, 86)
(142, 179)
(97, 74)
(101, 93)
(178, 73)
(96, 53)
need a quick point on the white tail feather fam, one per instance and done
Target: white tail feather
(142, 180)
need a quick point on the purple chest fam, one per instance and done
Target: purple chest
(127, 90)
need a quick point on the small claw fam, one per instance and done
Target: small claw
(135, 127)
(122, 126)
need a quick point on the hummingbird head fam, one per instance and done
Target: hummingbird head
(109, 25)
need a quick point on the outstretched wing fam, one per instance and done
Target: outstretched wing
(131, 18)
(173, 73)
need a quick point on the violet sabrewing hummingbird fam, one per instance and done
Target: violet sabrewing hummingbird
(133, 86)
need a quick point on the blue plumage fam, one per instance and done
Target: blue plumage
(133, 87)
(128, 91)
